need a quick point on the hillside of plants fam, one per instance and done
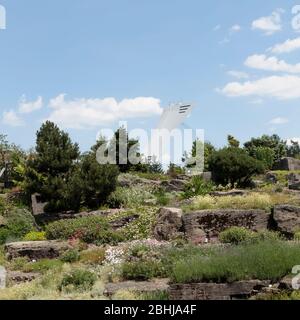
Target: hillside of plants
(105, 215)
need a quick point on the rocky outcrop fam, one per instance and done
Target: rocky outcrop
(287, 219)
(168, 225)
(271, 177)
(288, 164)
(19, 277)
(203, 226)
(139, 287)
(294, 181)
(231, 193)
(215, 291)
(122, 222)
(36, 249)
(174, 185)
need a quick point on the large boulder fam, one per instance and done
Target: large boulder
(203, 226)
(216, 291)
(169, 224)
(294, 181)
(287, 219)
(288, 164)
(36, 249)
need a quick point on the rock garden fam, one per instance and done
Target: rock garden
(73, 229)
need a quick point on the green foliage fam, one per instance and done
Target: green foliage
(236, 235)
(196, 187)
(155, 296)
(162, 197)
(97, 181)
(140, 228)
(35, 236)
(143, 270)
(18, 223)
(234, 166)
(208, 150)
(297, 236)
(269, 260)
(123, 148)
(79, 279)
(70, 256)
(293, 150)
(174, 170)
(132, 197)
(266, 142)
(93, 256)
(264, 154)
(42, 265)
(233, 142)
(88, 229)
(49, 170)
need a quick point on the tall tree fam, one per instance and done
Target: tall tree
(51, 167)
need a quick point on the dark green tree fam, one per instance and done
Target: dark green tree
(123, 147)
(293, 149)
(233, 165)
(50, 168)
(98, 181)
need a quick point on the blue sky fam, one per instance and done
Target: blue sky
(86, 64)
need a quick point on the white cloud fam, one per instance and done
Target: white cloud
(85, 113)
(262, 62)
(269, 24)
(280, 87)
(279, 120)
(11, 118)
(238, 74)
(235, 28)
(30, 106)
(286, 47)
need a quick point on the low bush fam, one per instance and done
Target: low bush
(143, 270)
(18, 222)
(35, 236)
(42, 265)
(88, 229)
(251, 201)
(196, 187)
(142, 227)
(93, 256)
(79, 279)
(70, 256)
(130, 198)
(268, 260)
(297, 236)
(236, 235)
